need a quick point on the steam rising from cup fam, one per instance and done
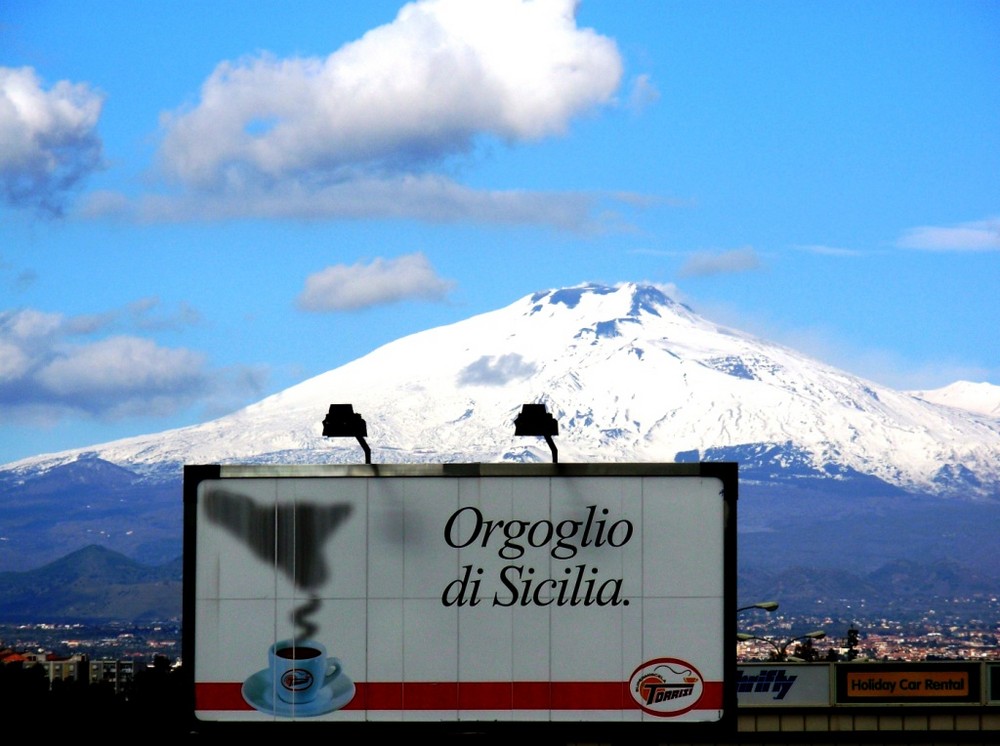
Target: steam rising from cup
(289, 536)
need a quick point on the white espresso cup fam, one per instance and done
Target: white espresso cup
(300, 669)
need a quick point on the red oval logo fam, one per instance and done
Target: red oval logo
(666, 686)
(296, 679)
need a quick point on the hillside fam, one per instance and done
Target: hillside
(93, 584)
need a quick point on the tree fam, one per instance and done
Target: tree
(852, 644)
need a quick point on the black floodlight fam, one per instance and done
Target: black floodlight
(343, 422)
(534, 420)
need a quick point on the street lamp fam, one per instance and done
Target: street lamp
(781, 651)
(534, 420)
(343, 422)
(765, 605)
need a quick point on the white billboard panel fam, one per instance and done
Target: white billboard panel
(461, 593)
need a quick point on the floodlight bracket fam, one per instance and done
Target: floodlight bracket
(343, 422)
(534, 420)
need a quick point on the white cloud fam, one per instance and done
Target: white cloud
(705, 263)
(982, 235)
(344, 288)
(119, 369)
(48, 139)
(423, 197)
(28, 325)
(399, 101)
(53, 368)
(643, 94)
(496, 371)
(14, 362)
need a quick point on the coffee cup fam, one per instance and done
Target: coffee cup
(300, 669)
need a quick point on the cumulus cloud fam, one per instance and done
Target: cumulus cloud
(496, 371)
(705, 263)
(120, 375)
(982, 235)
(388, 108)
(54, 366)
(48, 139)
(347, 288)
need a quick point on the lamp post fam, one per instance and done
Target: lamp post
(765, 605)
(781, 651)
(534, 420)
(343, 422)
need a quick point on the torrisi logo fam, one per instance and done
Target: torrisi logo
(296, 679)
(666, 687)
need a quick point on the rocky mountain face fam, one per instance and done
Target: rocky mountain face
(52, 512)
(835, 471)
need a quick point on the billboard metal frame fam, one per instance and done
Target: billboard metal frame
(553, 730)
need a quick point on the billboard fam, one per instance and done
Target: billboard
(462, 596)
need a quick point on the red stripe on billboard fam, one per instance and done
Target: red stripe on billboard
(518, 695)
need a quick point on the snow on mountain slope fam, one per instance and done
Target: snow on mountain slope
(630, 374)
(980, 398)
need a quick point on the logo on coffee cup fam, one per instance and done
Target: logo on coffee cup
(297, 680)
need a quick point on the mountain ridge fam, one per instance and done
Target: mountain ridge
(93, 584)
(978, 397)
(630, 375)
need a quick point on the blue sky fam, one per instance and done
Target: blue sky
(203, 203)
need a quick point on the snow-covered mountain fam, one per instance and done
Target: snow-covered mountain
(630, 374)
(980, 398)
